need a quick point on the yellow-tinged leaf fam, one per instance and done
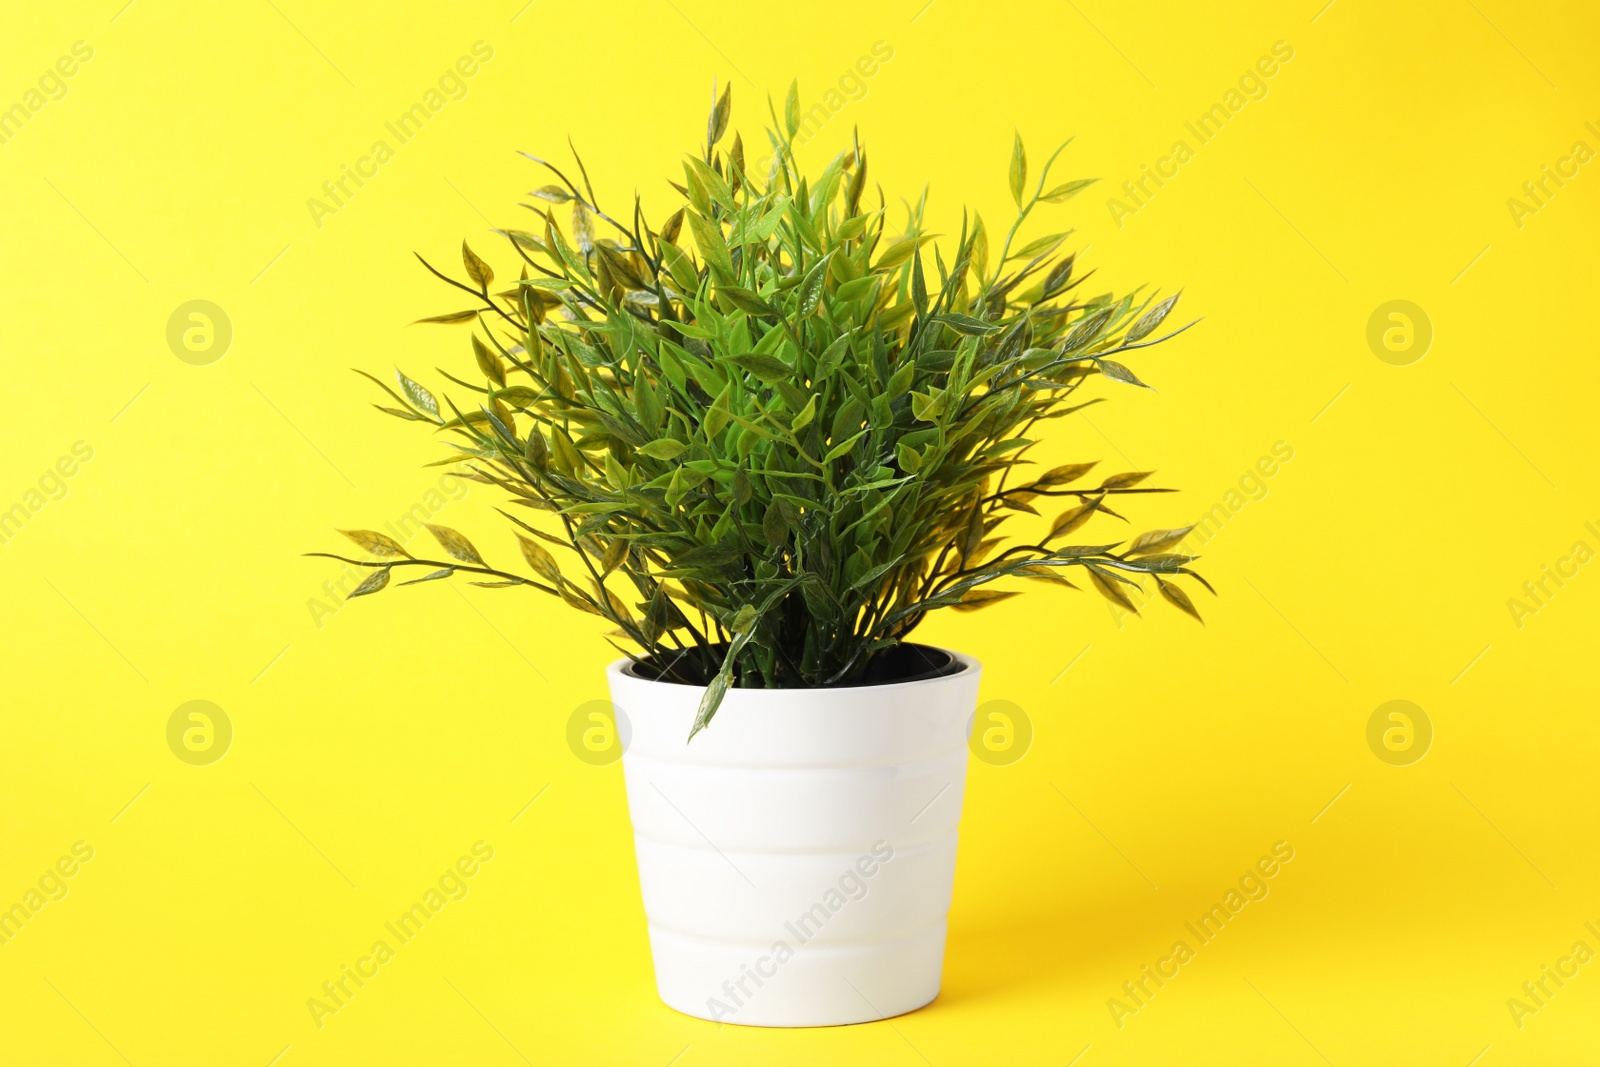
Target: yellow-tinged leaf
(1067, 190)
(717, 414)
(376, 543)
(1156, 540)
(1126, 480)
(542, 562)
(455, 544)
(1119, 373)
(713, 247)
(807, 413)
(616, 552)
(719, 116)
(374, 582)
(1114, 591)
(791, 108)
(553, 194)
(663, 448)
(614, 603)
(1069, 473)
(1073, 518)
(981, 553)
(1018, 174)
(582, 228)
(479, 271)
(576, 601)
(670, 228)
(489, 362)
(1179, 599)
(452, 319)
(974, 599)
(418, 397)
(1043, 573)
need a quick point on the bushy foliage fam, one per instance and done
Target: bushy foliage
(771, 434)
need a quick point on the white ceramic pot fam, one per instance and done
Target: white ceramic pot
(796, 858)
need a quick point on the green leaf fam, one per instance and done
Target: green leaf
(829, 360)
(663, 448)
(843, 447)
(1039, 246)
(928, 406)
(1152, 318)
(719, 116)
(967, 324)
(745, 300)
(919, 286)
(419, 397)
(1018, 174)
(974, 599)
(712, 700)
(717, 415)
(807, 413)
(909, 459)
(1118, 373)
(768, 369)
(713, 249)
(791, 109)
(856, 289)
(775, 524)
(554, 194)
(811, 288)
(742, 628)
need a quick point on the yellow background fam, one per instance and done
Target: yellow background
(373, 750)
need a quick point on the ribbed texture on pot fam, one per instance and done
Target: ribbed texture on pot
(796, 859)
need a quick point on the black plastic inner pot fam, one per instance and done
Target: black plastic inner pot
(903, 663)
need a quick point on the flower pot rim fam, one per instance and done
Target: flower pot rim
(964, 665)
